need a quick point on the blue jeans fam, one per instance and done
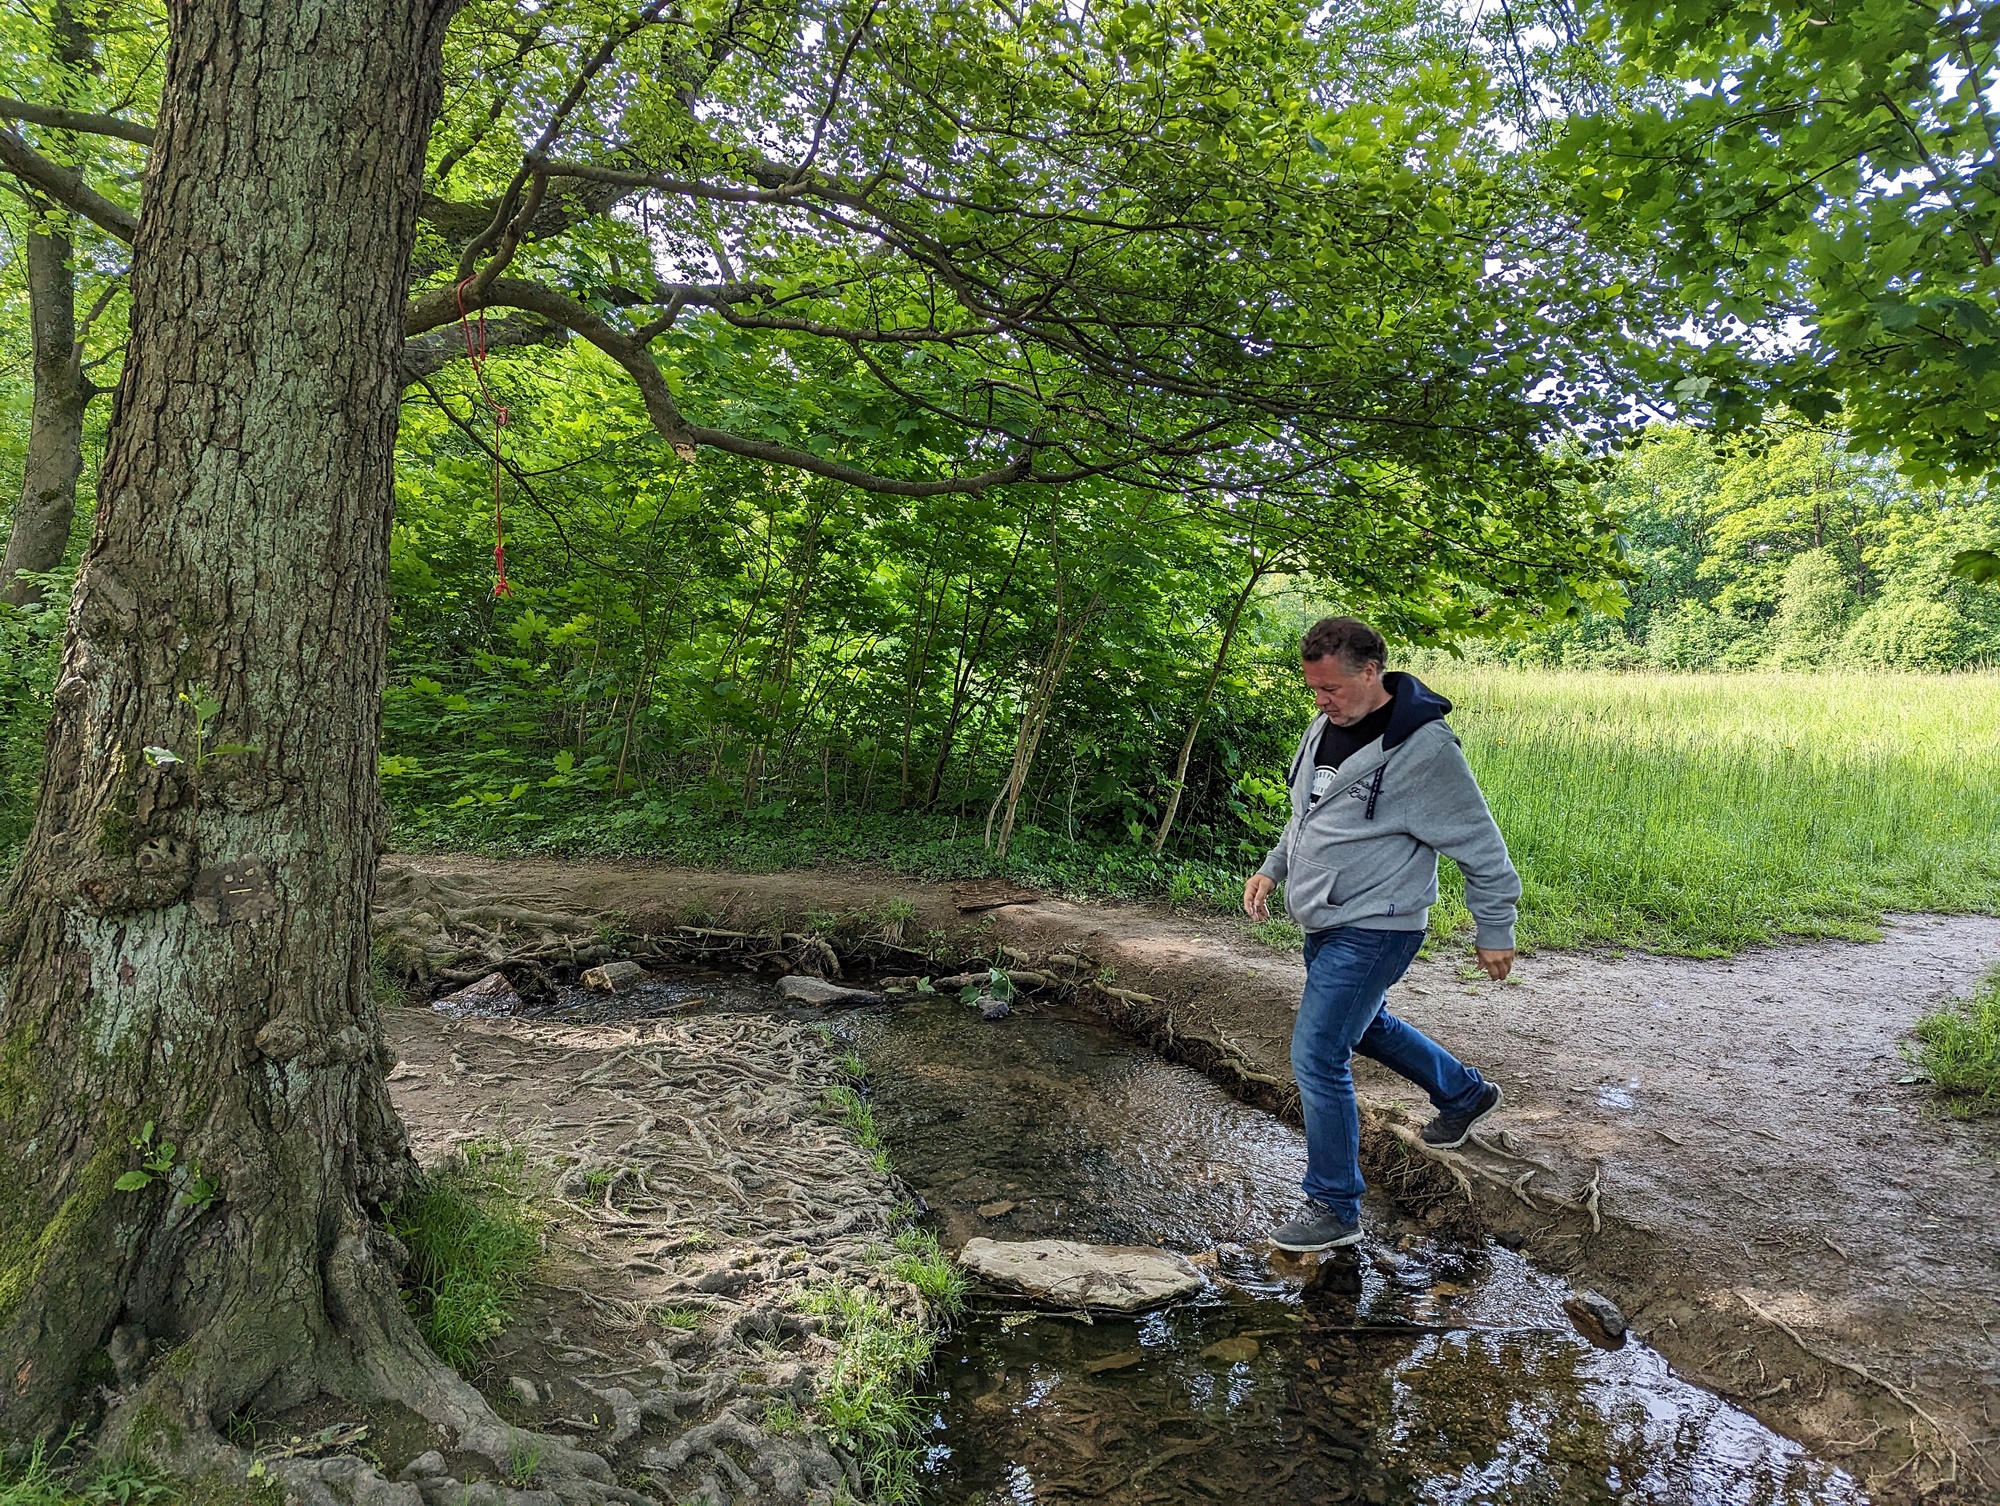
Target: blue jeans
(1348, 974)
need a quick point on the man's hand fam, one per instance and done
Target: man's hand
(1257, 894)
(1497, 964)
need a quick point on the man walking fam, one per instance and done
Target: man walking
(1379, 788)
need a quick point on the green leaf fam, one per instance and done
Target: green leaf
(1980, 566)
(132, 1181)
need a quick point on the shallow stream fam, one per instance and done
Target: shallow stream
(1421, 1373)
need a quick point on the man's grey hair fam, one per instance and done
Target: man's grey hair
(1351, 640)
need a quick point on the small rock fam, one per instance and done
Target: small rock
(1507, 1239)
(1122, 1278)
(1337, 1271)
(492, 994)
(807, 990)
(725, 1283)
(1124, 1361)
(426, 1466)
(614, 977)
(996, 1210)
(991, 1008)
(1232, 1351)
(524, 1388)
(1597, 1318)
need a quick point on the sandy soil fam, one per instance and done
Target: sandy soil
(1780, 1211)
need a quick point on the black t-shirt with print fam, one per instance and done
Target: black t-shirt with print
(1338, 744)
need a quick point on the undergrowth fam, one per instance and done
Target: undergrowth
(474, 1234)
(1958, 1049)
(53, 1477)
(1683, 813)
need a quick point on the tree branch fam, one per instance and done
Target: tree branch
(804, 460)
(440, 306)
(65, 187)
(425, 355)
(75, 120)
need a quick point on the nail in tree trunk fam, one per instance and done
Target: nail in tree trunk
(184, 944)
(40, 532)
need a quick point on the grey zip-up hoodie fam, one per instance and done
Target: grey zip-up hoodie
(1367, 854)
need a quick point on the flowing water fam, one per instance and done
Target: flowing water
(1420, 1372)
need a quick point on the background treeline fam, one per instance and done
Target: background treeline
(1787, 550)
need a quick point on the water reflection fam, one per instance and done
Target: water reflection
(1427, 1374)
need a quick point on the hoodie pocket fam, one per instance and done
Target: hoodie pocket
(1309, 891)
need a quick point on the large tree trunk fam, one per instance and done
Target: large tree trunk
(40, 532)
(185, 943)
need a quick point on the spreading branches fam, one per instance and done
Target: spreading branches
(84, 121)
(66, 187)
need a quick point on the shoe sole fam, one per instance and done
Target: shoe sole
(1332, 1244)
(1499, 1097)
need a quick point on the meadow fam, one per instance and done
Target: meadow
(1701, 813)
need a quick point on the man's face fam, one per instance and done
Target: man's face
(1344, 695)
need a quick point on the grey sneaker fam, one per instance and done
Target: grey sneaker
(1449, 1131)
(1317, 1227)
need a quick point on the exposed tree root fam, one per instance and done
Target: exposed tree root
(706, 1180)
(1954, 1462)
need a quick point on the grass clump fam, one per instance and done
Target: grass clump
(51, 1477)
(1958, 1049)
(848, 1106)
(919, 1261)
(868, 1402)
(1279, 933)
(474, 1236)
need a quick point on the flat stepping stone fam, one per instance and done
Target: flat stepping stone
(1118, 1278)
(809, 990)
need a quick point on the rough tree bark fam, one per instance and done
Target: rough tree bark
(41, 526)
(184, 943)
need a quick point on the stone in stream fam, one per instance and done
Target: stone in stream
(1597, 1318)
(996, 1210)
(1122, 1361)
(809, 990)
(1238, 1351)
(614, 977)
(1122, 1278)
(991, 1008)
(1335, 1271)
(492, 994)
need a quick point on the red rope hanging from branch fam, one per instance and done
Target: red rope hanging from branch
(475, 351)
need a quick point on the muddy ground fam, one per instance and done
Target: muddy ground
(1731, 1149)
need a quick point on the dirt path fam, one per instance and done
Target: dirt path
(1778, 1211)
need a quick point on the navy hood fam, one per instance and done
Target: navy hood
(1414, 704)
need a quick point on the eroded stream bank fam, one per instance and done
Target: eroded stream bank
(1777, 1213)
(687, 1117)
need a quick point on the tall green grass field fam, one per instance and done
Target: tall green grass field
(1702, 813)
